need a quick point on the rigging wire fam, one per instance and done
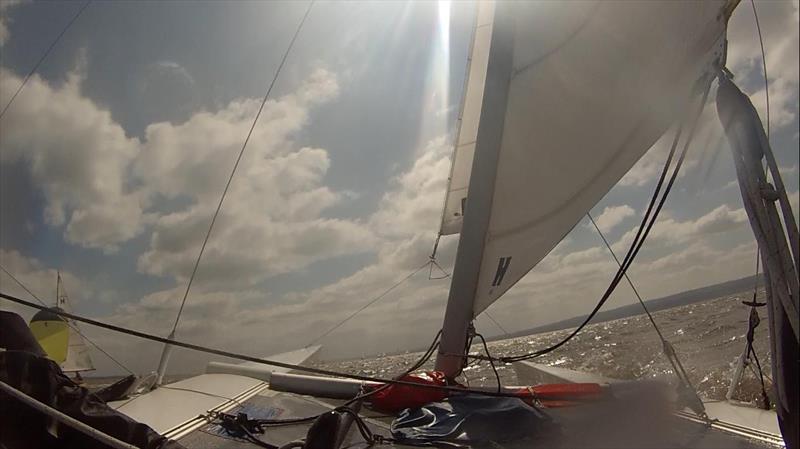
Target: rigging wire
(444, 272)
(236, 164)
(446, 275)
(763, 61)
(635, 291)
(669, 350)
(486, 312)
(641, 233)
(433, 263)
(73, 327)
(42, 58)
(244, 357)
(373, 301)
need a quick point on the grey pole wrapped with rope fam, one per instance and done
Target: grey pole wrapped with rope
(750, 146)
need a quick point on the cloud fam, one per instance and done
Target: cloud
(794, 201)
(566, 283)
(414, 202)
(702, 151)
(166, 92)
(649, 167)
(787, 171)
(612, 216)
(38, 278)
(105, 188)
(164, 186)
(5, 5)
(78, 156)
(239, 258)
(272, 220)
(669, 231)
(779, 25)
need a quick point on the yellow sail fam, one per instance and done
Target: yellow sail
(52, 333)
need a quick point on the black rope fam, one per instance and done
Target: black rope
(41, 59)
(242, 427)
(247, 358)
(765, 402)
(236, 164)
(752, 323)
(75, 328)
(417, 365)
(366, 433)
(642, 233)
(491, 362)
(294, 421)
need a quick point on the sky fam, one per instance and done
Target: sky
(114, 156)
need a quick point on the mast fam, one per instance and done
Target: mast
(472, 239)
(58, 288)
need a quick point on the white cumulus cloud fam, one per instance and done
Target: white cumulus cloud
(78, 156)
(613, 216)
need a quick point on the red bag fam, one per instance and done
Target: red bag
(398, 397)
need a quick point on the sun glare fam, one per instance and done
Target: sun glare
(433, 117)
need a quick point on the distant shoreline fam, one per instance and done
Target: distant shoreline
(696, 295)
(701, 294)
(687, 297)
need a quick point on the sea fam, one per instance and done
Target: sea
(708, 338)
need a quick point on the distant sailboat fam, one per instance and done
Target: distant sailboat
(60, 338)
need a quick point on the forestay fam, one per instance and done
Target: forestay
(592, 87)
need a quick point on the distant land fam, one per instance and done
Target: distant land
(654, 305)
(701, 294)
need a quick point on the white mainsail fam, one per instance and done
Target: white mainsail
(78, 358)
(574, 94)
(469, 116)
(593, 86)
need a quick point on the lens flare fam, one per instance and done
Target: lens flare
(434, 109)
